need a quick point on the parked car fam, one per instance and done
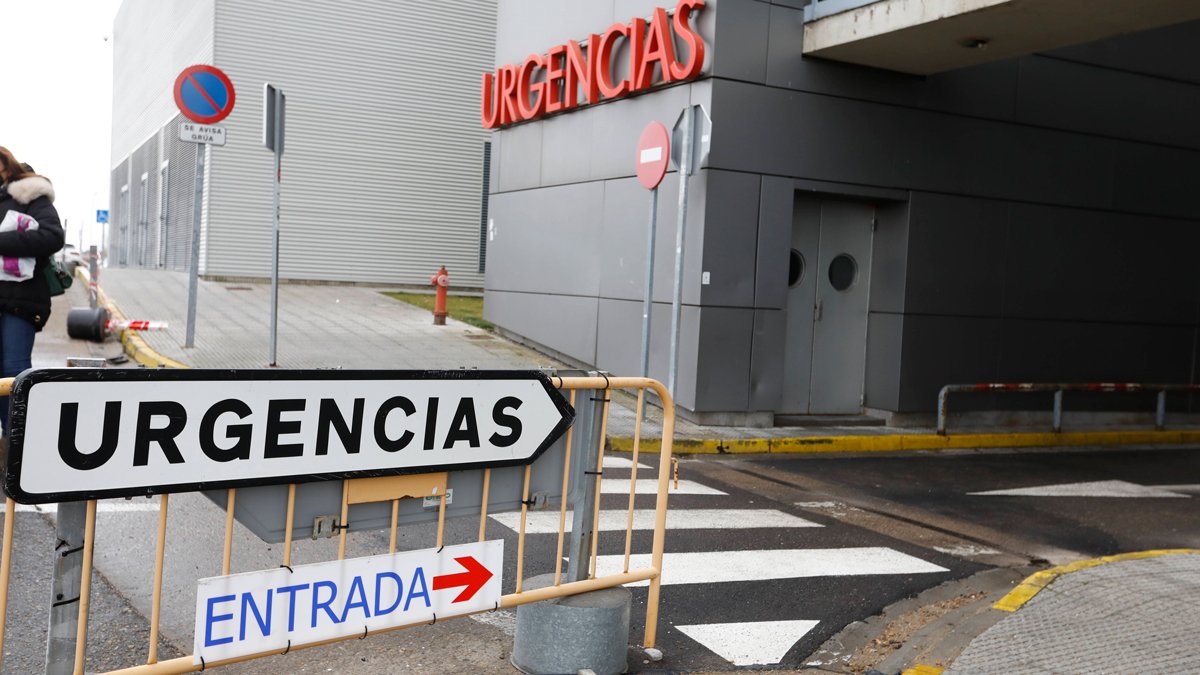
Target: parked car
(70, 257)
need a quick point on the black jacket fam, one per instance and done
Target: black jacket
(33, 196)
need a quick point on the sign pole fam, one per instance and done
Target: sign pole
(275, 242)
(69, 526)
(584, 456)
(648, 300)
(685, 169)
(194, 271)
(273, 119)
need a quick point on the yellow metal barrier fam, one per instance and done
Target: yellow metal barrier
(394, 489)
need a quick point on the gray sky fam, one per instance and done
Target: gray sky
(57, 107)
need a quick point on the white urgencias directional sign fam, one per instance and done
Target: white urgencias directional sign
(87, 434)
(265, 611)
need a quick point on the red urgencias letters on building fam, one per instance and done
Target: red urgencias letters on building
(575, 74)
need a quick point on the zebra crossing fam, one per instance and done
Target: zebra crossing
(747, 584)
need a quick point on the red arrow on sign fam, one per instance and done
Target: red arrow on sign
(474, 578)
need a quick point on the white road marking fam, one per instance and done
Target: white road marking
(965, 550)
(611, 462)
(727, 566)
(544, 522)
(1101, 488)
(758, 643)
(649, 486)
(1194, 487)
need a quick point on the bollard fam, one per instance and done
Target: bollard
(442, 281)
(572, 633)
(88, 324)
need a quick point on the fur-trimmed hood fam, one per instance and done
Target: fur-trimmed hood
(30, 188)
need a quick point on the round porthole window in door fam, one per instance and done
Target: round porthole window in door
(842, 272)
(795, 268)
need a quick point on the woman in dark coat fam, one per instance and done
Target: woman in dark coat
(24, 305)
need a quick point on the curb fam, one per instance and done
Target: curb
(908, 442)
(134, 344)
(1033, 585)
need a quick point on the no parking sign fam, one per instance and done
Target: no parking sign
(204, 94)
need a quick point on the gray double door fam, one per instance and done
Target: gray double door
(829, 283)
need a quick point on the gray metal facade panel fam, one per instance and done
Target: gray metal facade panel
(725, 341)
(1095, 266)
(1154, 52)
(885, 340)
(619, 337)
(152, 41)
(543, 251)
(1066, 95)
(744, 23)
(776, 201)
(564, 323)
(891, 256)
(766, 360)
(729, 239)
(940, 350)
(956, 256)
(383, 161)
(866, 143)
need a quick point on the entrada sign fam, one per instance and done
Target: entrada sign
(87, 434)
(557, 80)
(284, 608)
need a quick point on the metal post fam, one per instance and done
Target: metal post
(648, 299)
(194, 272)
(93, 277)
(588, 425)
(1160, 411)
(275, 241)
(1058, 394)
(943, 394)
(685, 164)
(69, 528)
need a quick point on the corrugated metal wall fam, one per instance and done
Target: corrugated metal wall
(180, 157)
(384, 150)
(152, 41)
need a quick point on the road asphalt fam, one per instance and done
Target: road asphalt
(1120, 610)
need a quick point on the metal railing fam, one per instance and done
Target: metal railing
(1160, 413)
(819, 9)
(359, 491)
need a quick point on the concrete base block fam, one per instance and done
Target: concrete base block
(589, 631)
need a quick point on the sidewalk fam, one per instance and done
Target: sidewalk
(1132, 613)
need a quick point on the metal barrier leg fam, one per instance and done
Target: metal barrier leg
(590, 415)
(69, 531)
(1058, 395)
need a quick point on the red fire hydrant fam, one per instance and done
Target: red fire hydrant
(442, 281)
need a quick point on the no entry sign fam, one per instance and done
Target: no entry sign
(653, 155)
(87, 434)
(204, 94)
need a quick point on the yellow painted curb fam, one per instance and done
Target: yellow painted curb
(906, 442)
(923, 670)
(1025, 591)
(135, 346)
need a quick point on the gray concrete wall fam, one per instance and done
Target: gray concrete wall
(1035, 215)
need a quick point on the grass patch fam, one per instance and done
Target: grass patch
(465, 308)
